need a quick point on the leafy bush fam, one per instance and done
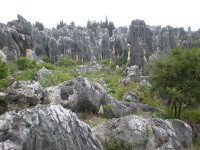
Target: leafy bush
(24, 63)
(196, 43)
(192, 114)
(25, 75)
(114, 144)
(55, 78)
(104, 62)
(45, 58)
(3, 70)
(176, 78)
(66, 61)
(3, 74)
(120, 61)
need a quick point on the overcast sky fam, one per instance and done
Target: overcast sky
(178, 13)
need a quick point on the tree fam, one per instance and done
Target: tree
(93, 25)
(176, 77)
(38, 25)
(61, 24)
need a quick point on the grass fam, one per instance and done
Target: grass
(195, 145)
(91, 119)
(192, 114)
(64, 70)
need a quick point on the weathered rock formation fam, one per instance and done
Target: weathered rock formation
(118, 42)
(184, 38)
(103, 43)
(77, 94)
(22, 94)
(140, 40)
(15, 38)
(166, 40)
(143, 133)
(41, 73)
(53, 50)
(40, 42)
(91, 67)
(45, 127)
(115, 109)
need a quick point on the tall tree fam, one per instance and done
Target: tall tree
(93, 25)
(38, 25)
(61, 24)
(176, 78)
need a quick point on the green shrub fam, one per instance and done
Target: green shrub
(3, 74)
(24, 63)
(176, 77)
(66, 61)
(114, 144)
(120, 61)
(25, 75)
(45, 58)
(55, 78)
(3, 70)
(104, 62)
(46, 65)
(192, 114)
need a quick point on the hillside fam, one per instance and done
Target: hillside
(54, 81)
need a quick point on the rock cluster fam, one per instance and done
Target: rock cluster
(32, 127)
(15, 38)
(91, 67)
(140, 41)
(45, 127)
(77, 94)
(146, 133)
(166, 40)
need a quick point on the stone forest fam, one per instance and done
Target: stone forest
(99, 87)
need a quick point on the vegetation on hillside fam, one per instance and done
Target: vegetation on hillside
(3, 74)
(176, 78)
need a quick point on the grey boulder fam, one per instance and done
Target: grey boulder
(77, 94)
(45, 127)
(41, 73)
(143, 133)
(113, 108)
(23, 94)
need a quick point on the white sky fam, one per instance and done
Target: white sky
(178, 13)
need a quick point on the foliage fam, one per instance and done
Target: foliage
(28, 73)
(55, 78)
(93, 25)
(104, 62)
(45, 58)
(192, 114)
(196, 43)
(61, 24)
(120, 61)
(90, 118)
(38, 25)
(3, 70)
(114, 144)
(25, 75)
(195, 145)
(66, 62)
(24, 63)
(176, 78)
(3, 74)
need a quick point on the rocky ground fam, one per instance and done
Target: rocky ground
(92, 106)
